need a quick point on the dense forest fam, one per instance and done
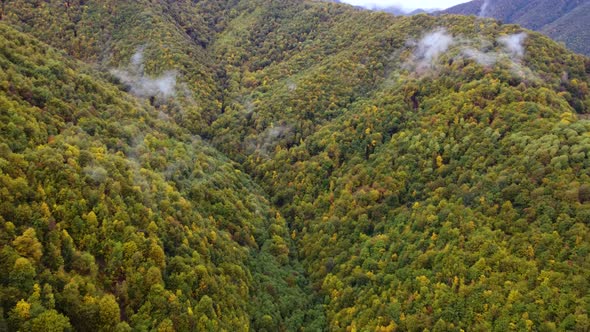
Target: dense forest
(288, 166)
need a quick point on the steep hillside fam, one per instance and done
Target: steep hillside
(112, 216)
(427, 177)
(565, 21)
(572, 28)
(170, 35)
(433, 173)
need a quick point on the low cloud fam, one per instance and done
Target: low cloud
(510, 55)
(142, 85)
(265, 142)
(137, 58)
(512, 51)
(428, 49)
(508, 52)
(483, 12)
(271, 136)
(486, 59)
(97, 173)
(432, 45)
(514, 44)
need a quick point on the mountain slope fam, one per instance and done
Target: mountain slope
(433, 173)
(572, 28)
(109, 33)
(563, 20)
(114, 217)
(396, 170)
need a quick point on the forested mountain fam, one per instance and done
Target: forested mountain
(288, 165)
(567, 21)
(114, 216)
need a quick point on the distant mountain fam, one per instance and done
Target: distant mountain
(421, 11)
(565, 20)
(393, 10)
(403, 12)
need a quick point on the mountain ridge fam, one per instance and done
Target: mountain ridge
(538, 15)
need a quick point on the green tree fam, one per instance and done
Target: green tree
(22, 274)
(27, 245)
(109, 312)
(51, 321)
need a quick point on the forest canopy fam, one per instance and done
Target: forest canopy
(288, 166)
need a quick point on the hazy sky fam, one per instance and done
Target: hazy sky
(406, 4)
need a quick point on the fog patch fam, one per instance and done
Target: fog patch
(509, 55)
(143, 85)
(512, 51)
(483, 12)
(507, 51)
(137, 58)
(271, 136)
(274, 133)
(249, 106)
(97, 173)
(428, 50)
(486, 59)
(291, 86)
(265, 142)
(163, 116)
(432, 45)
(514, 44)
